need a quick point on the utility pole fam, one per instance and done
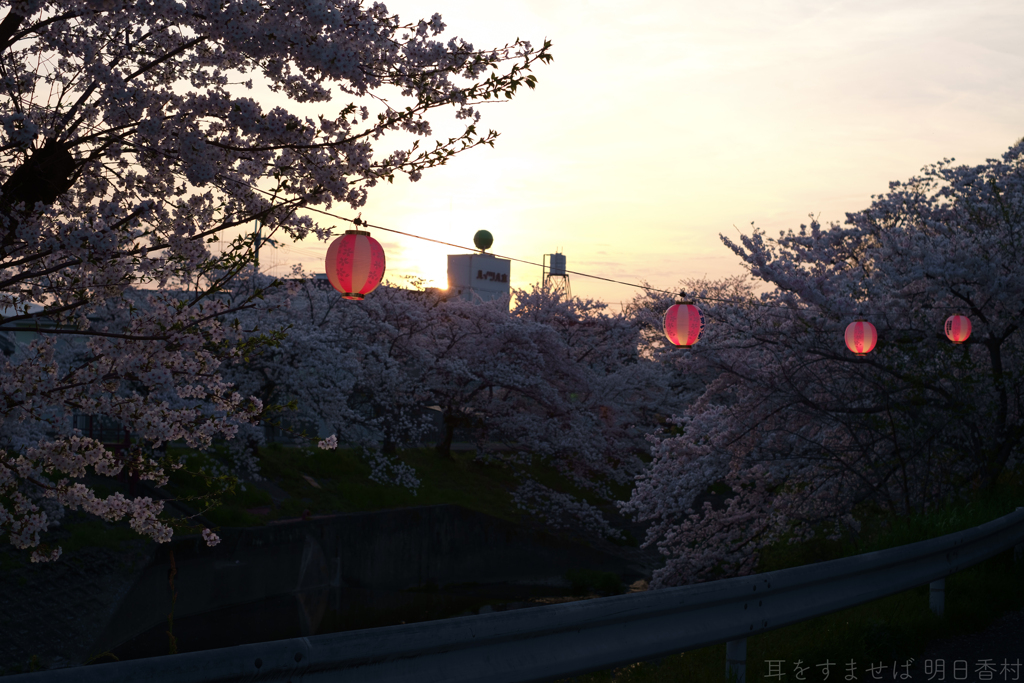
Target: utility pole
(257, 238)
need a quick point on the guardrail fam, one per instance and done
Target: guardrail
(556, 641)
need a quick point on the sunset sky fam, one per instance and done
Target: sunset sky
(661, 124)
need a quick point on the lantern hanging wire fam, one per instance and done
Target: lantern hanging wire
(358, 221)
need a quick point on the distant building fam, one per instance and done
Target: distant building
(21, 332)
(479, 275)
(320, 280)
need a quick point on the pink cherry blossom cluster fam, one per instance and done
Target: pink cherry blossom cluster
(132, 377)
(210, 537)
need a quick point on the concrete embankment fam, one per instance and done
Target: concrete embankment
(332, 573)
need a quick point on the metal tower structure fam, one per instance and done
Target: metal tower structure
(555, 275)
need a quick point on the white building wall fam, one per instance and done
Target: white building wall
(479, 275)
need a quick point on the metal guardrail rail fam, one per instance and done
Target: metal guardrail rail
(555, 641)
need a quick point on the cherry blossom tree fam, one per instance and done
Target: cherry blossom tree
(133, 136)
(556, 381)
(552, 381)
(797, 436)
(468, 345)
(687, 376)
(354, 367)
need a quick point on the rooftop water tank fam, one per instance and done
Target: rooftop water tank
(556, 264)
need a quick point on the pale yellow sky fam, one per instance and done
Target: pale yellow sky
(661, 124)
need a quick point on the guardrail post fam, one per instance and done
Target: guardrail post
(1018, 550)
(736, 661)
(937, 597)
(336, 583)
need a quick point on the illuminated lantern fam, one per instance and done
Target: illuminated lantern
(355, 264)
(958, 328)
(861, 337)
(684, 323)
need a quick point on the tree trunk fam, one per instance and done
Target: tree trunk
(46, 174)
(444, 446)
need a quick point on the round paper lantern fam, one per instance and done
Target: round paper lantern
(958, 328)
(355, 264)
(684, 323)
(861, 337)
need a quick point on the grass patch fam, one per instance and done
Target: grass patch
(341, 483)
(234, 498)
(587, 581)
(700, 666)
(233, 516)
(343, 477)
(95, 533)
(881, 532)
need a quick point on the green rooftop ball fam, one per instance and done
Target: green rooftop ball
(483, 240)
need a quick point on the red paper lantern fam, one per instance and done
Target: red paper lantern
(861, 337)
(684, 323)
(958, 328)
(355, 264)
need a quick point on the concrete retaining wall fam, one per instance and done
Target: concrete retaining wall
(292, 572)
